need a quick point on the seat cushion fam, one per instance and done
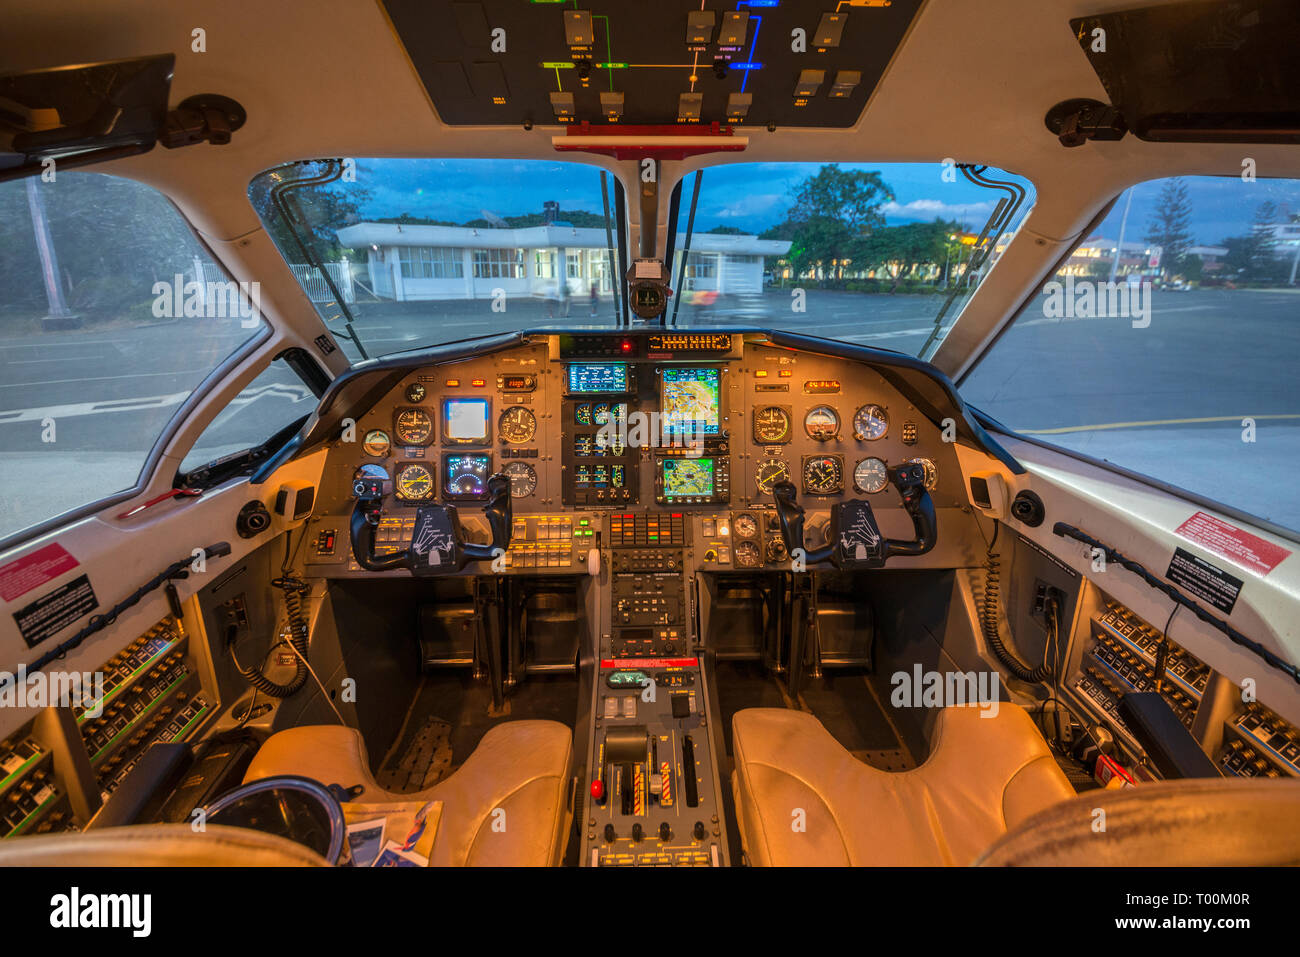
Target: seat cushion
(802, 799)
(507, 805)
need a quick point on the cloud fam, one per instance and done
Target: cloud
(928, 210)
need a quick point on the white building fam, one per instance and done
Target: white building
(407, 262)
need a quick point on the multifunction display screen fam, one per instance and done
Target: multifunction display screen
(689, 401)
(687, 478)
(465, 421)
(597, 377)
(465, 476)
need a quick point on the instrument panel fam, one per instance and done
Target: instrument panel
(584, 422)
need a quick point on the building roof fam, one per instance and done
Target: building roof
(361, 235)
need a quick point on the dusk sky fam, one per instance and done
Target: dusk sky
(754, 196)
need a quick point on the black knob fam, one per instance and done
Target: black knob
(637, 833)
(610, 836)
(698, 832)
(664, 831)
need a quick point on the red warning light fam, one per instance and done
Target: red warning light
(627, 345)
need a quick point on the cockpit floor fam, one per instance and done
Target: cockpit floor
(463, 705)
(843, 701)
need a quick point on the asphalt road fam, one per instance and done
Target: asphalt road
(1168, 399)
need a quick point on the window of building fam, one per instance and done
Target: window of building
(430, 262)
(498, 264)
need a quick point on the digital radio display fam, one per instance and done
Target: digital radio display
(689, 342)
(597, 377)
(689, 401)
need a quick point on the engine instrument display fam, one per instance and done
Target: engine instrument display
(823, 474)
(870, 475)
(822, 423)
(465, 476)
(689, 401)
(517, 425)
(597, 377)
(376, 443)
(465, 421)
(413, 427)
(771, 471)
(523, 479)
(772, 425)
(414, 483)
(870, 423)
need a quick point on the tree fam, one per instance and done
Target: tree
(852, 197)
(1169, 226)
(832, 210)
(1253, 257)
(906, 249)
(725, 231)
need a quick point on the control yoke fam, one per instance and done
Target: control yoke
(855, 539)
(437, 545)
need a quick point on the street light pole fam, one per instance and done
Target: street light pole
(1119, 244)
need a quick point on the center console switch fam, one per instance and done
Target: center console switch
(653, 798)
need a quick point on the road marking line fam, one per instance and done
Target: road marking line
(1135, 425)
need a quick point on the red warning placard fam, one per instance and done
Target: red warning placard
(1236, 544)
(33, 570)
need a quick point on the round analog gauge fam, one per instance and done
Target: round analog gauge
(523, 480)
(870, 423)
(748, 555)
(745, 526)
(600, 414)
(415, 392)
(870, 475)
(376, 442)
(517, 425)
(414, 483)
(823, 474)
(771, 425)
(931, 472)
(582, 414)
(769, 473)
(822, 423)
(414, 427)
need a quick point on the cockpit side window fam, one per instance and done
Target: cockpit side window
(253, 425)
(111, 314)
(1165, 344)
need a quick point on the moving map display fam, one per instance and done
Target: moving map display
(687, 478)
(689, 401)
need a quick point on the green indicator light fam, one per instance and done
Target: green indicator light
(612, 66)
(557, 65)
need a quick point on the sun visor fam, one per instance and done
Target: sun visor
(1202, 72)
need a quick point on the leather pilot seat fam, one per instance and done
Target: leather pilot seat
(519, 767)
(802, 799)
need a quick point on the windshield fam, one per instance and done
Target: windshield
(883, 254)
(398, 254)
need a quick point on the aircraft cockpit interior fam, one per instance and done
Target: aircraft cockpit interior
(746, 434)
